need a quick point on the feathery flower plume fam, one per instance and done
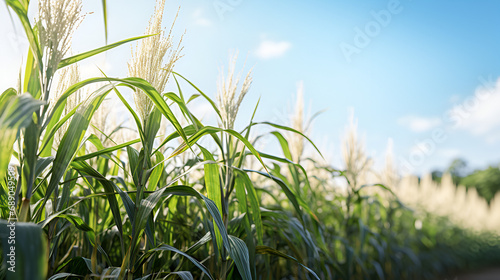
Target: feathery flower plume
(57, 21)
(68, 76)
(389, 175)
(297, 122)
(104, 122)
(462, 206)
(226, 93)
(357, 163)
(147, 61)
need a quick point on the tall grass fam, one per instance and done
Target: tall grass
(464, 207)
(140, 203)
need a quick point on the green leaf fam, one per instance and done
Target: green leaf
(214, 105)
(63, 275)
(105, 17)
(30, 146)
(127, 201)
(379, 270)
(31, 83)
(184, 275)
(73, 59)
(16, 112)
(214, 188)
(210, 130)
(239, 185)
(284, 145)
(146, 207)
(375, 185)
(291, 130)
(155, 176)
(133, 113)
(294, 199)
(72, 139)
(133, 161)
(27, 251)
(106, 150)
(188, 130)
(41, 164)
(109, 187)
(151, 127)
(53, 127)
(254, 205)
(212, 208)
(193, 260)
(6, 95)
(239, 253)
(270, 251)
(22, 12)
(204, 240)
(301, 201)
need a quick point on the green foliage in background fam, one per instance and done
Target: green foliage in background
(485, 181)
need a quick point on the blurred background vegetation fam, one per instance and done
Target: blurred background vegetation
(485, 181)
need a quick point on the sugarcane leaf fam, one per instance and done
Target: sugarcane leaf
(73, 59)
(16, 113)
(72, 139)
(193, 260)
(239, 253)
(25, 256)
(270, 251)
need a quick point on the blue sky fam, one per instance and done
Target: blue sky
(425, 60)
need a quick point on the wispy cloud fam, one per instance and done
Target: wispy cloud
(419, 124)
(480, 114)
(200, 19)
(271, 49)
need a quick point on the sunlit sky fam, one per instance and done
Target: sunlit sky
(412, 71)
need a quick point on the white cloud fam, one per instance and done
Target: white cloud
(271, 49)
(479, 114)
(419, 124)
(200, 19)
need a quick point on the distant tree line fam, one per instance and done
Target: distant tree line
(485, 181)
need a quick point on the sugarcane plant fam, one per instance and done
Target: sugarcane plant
(83, 201)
